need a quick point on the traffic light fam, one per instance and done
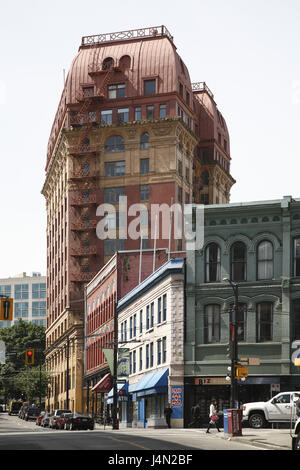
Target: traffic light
(29, 357)
(6, 309)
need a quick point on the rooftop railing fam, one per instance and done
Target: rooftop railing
(153, 31)
(201, 86)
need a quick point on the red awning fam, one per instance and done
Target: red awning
(104, 384)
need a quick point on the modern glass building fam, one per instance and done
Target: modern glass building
(29, 294)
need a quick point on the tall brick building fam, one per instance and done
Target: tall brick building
(129, 122)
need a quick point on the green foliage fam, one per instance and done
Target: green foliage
(16, 379)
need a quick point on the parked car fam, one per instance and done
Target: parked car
(79, 421)
(39, 418)
(54, 417)
(31, 413)
(276, 410)
(45, 420)
(60, 422)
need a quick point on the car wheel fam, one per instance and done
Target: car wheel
(257, 421)
(297, 442)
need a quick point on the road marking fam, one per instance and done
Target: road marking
(128, 442)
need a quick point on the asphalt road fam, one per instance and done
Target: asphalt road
(16, 434)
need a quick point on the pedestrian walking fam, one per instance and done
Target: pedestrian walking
(168, 412)
(213, 415)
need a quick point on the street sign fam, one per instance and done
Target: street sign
(250, 361)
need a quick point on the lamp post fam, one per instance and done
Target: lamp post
(233, 345)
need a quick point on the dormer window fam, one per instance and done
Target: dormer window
(149, 87)
(108, 63)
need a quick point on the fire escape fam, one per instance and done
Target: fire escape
(83, 249)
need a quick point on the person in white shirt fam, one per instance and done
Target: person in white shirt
(213, 415)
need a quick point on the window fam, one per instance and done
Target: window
(114, 144)
(108, 63)
(141, 358)
(116, 91)
(144, 192)
(130, 363)
(213, 263)
(159, 351)
(88, 91)
(265, 260)
(130, 327)
(296, 319)
(141, 321)
(39, 291)
(149, 87)
(159, 310)
(150, 112)
(164, 316)
(147, 318)
(115, 168)
(125, 331)
(212, 324)
(134, 362)
(39, 309)
(144, 166)
(123, 115)
(147, 356)
(151, 355)
(138, 114)
(238, 262)
(297, 257)
(164, 351)
(163, 111)
(264, 321)
(5, 290)
(152, 315)
(20, 309)
(122, 332)
(187, 98)
(145, 141)
(106, 116)
(180, 89)
(21, 291)
(134, 325)
(113, 194)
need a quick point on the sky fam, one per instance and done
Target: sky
(247, 51)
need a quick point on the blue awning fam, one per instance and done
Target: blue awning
(123, 387)
(149, 384)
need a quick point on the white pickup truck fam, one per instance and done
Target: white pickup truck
(278, 409)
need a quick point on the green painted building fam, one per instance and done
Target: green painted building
(257, 246)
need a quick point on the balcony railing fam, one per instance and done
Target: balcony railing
(82, 276)
(153, 31)
(83, 175)
(84, 251)
(83, 226)
(79, 150)
(201, 86)
(84, 200)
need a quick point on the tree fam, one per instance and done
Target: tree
(16, 379)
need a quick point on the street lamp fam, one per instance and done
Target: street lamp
(233, 345)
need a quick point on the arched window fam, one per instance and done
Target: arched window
(114, 143)
(125, 62)
(145, 141)
(213, 263)
(265, 260)
(238, 262)
(108, 63)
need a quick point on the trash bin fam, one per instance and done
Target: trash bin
(233, 422)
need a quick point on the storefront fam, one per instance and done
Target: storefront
(202, 389)
(149, 398)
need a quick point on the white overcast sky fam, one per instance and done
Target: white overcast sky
(247, 51)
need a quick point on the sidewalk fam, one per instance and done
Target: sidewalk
(272, 439)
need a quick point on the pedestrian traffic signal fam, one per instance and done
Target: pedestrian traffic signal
(29, 357)
(6, 309)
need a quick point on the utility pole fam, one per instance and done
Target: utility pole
(115, 374)
(67, 378)
(233, 346)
